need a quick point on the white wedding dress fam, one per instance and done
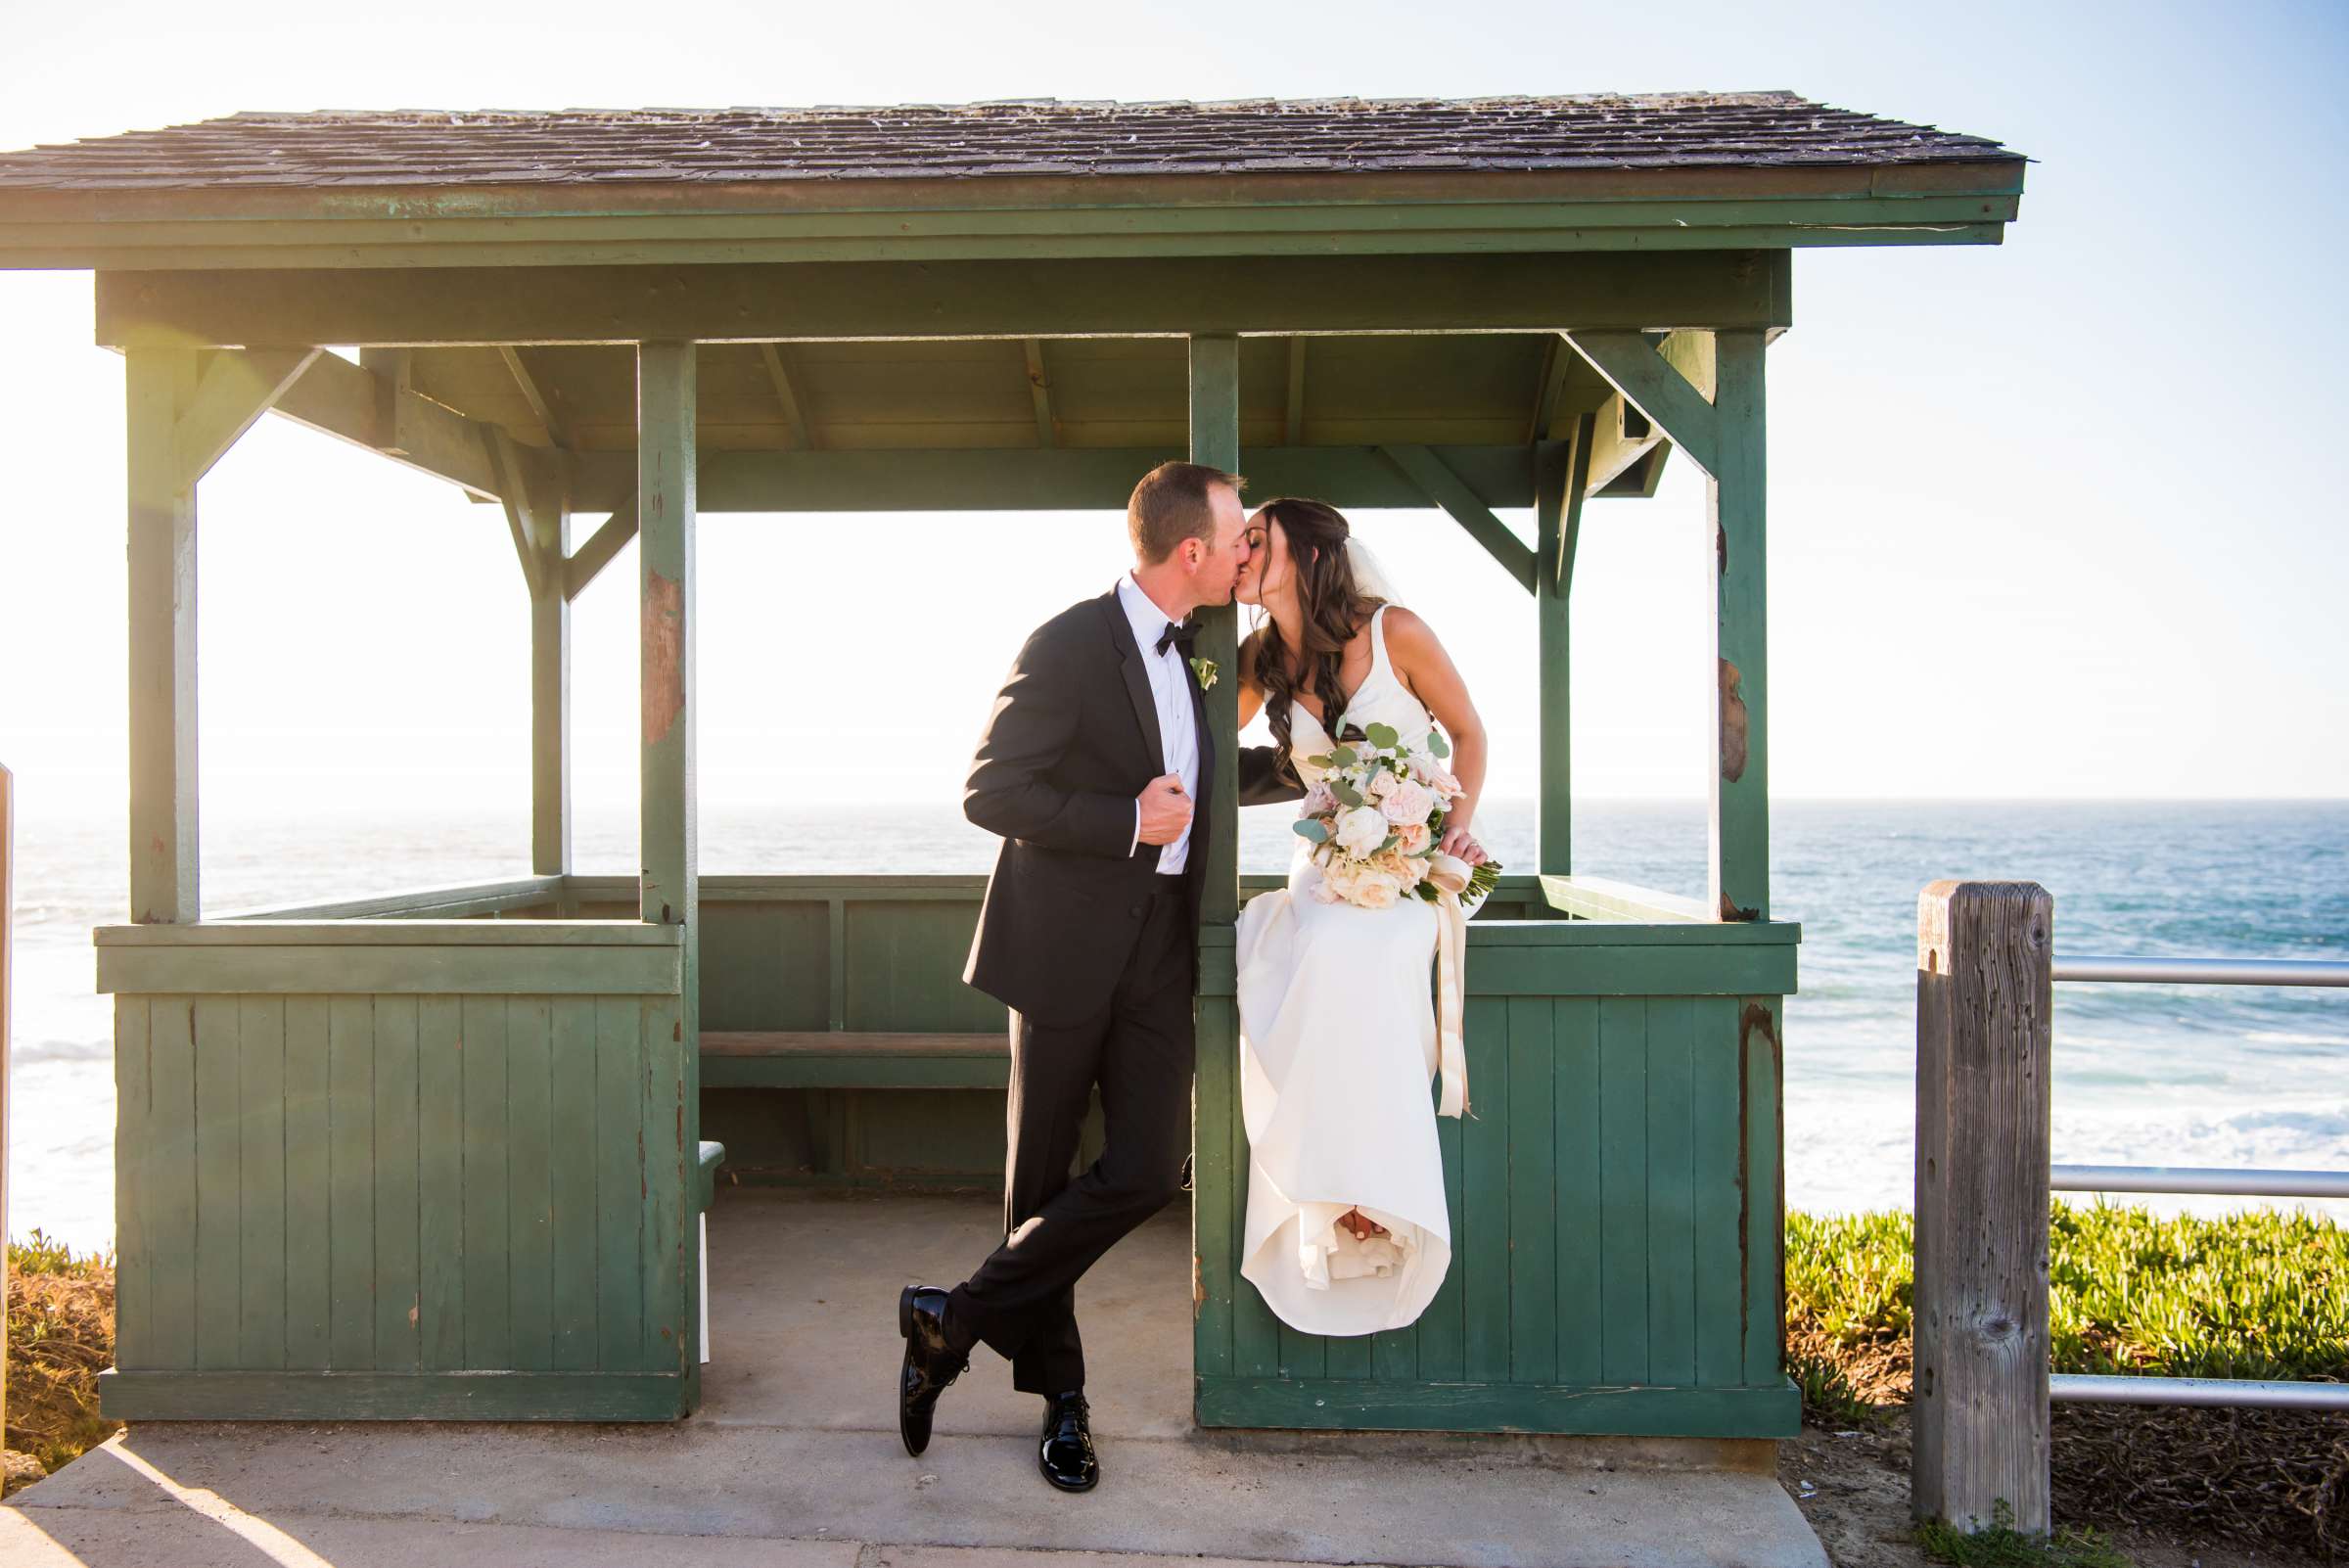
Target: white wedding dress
(1338, 1047)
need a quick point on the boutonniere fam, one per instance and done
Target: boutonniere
(1205, 670)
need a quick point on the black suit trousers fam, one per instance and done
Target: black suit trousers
(1141, 1047)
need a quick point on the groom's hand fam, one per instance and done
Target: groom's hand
(1166, 810)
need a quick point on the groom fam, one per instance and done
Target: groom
(1097, 768)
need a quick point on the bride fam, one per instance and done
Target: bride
(1347, 1230)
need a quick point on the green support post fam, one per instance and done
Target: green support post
(548, 513)
(1220, 1143)
(1738, 820)
(160, 385)
(1214, 410)
(1561, 474)
(669, 893)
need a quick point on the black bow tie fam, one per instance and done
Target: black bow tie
(1184, 632)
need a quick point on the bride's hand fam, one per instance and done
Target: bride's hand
(1457, 841)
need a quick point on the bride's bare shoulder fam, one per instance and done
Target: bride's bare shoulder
(1403, 626)
(1412, 647)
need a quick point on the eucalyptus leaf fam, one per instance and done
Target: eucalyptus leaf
(1344, 757)
(1313, 828)
(1322, 761)
(1345, 791)
(1435, 744)
(1381, 735)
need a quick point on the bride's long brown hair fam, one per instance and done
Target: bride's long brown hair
(1334, 610)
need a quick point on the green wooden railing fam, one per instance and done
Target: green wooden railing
(400, 1167)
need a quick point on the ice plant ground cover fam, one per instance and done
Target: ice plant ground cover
(1376, 816)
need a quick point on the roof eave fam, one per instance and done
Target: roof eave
(1964, 201)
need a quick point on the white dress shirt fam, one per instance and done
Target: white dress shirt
(1172, 687)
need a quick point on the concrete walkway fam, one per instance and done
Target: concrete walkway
(795, 1459)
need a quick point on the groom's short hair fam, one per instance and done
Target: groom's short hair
(1172, 504)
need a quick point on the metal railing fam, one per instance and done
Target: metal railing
(2205, 971)
(2200, 1180)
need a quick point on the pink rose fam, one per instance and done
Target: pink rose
(1409, 802)
(1319, 801)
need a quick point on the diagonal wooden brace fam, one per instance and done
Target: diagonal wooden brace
(1657, 388)
(601, 546)
(1450, 492)
(238, 387)
(529, 485)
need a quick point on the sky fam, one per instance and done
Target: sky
(2057, 518)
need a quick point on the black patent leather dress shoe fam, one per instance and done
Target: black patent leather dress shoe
(930, 1361)
(1066, 1453)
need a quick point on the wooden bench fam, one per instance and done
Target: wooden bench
(851, 1059)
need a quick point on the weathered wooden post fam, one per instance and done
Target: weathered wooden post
(1983, 1036)
(1737, 502)
(8, 902)
(669, 815)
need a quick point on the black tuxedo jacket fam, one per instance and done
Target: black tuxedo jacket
(1069, 743)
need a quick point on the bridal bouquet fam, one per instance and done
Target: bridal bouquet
(1376, 817)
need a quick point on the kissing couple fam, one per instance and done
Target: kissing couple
(1096, 767)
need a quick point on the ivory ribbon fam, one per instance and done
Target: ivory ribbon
(1449, 873)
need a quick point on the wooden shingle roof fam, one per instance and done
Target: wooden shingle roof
(344, 150)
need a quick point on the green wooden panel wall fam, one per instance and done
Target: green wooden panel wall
(765, 964)
(409, 1186)
(903, 967)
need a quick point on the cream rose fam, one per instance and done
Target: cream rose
(1360, 830)
(1413, 837)
(1376, 894)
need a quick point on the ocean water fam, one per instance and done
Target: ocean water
(2143, 1073)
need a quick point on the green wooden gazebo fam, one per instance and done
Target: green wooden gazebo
(443, 1154)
